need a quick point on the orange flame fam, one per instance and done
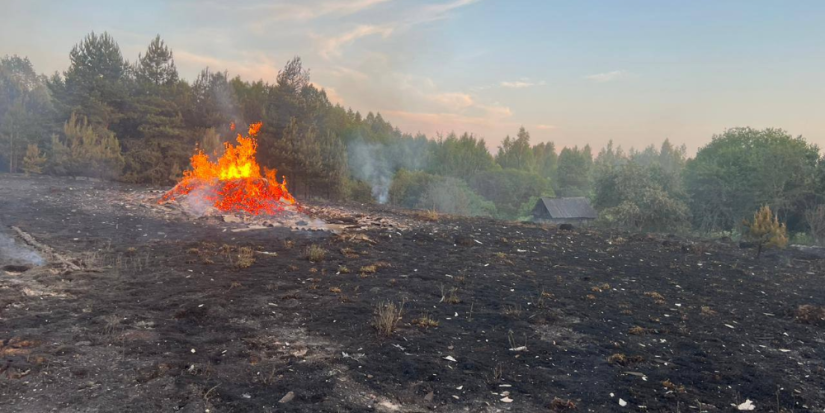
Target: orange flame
(234, 182)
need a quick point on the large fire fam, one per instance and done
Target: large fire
(234, 183)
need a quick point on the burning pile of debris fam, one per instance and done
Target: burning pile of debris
(233, 190)
(233, 183)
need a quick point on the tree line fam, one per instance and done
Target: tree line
(139, 121)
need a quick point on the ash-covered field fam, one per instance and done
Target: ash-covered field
(110, 302)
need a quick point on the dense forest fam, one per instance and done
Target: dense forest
(109, 118)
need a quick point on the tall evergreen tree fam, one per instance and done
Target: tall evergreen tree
(93, 85)
(26, 110)
(156, 67)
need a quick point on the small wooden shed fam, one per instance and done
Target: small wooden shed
(575, 210)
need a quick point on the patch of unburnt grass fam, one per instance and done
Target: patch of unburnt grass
(429, 215)
(673, 387)
(245, 258)
(387, 316)
(810, 314)
(621, 359)
(601, 287)
(657, 298)
(315, 253)
(449, 296)
(367, 270)
(348, 252)
(425, 321)
(562, 405)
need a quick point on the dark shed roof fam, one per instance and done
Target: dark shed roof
(559, 208)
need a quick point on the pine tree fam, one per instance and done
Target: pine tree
(33, 161)
(92, 151)
(156, 67)
(766, 230)
(93, 84)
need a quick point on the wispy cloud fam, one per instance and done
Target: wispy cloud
(332, 94)
(435, 12)
(521, 84)
(606, 77)
(434, 123)
(331, 46)
(268, 11)
(250, 66)
(545, 127)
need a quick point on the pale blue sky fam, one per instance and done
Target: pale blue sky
(573, 72)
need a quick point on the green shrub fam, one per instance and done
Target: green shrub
(358, 191)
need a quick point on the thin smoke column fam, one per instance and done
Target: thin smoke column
(369, 163)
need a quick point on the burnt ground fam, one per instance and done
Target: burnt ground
(162, 316)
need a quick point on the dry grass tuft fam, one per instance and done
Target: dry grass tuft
(335, 290)
(387, 317)
(657, 298)
(450, 296)
(600, 288)
(672, 387)
(246, 257)
(810, 314)
(637, 330)
(425, 321)
(315, 253)
(707, 311)
(623, 360)
(654, 295)
(349, 252)
(111, 322)
(368, 270)
(428, 215)
(560, 405)
(343, 269)
(512, 310)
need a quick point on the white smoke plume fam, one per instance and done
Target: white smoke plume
(12, 253)
(370, 163)
(197, 202)
(376, 163)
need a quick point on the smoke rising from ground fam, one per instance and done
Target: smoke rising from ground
(369, 163)
(197, 202)
(12, 253)
(376, 163)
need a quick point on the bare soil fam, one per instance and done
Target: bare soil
(176, 313)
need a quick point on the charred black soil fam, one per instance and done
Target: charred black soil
(173, 313)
